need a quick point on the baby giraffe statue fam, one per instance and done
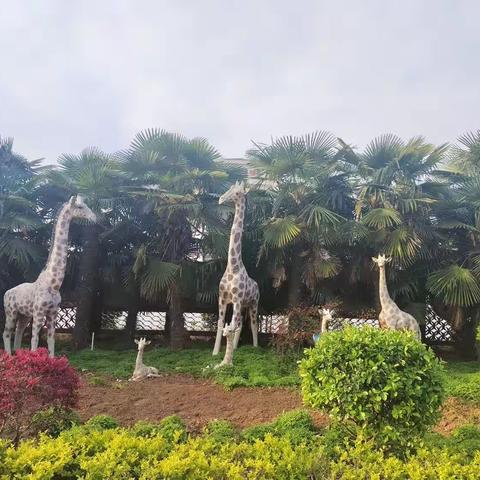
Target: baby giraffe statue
(142, 371)
(327, 315)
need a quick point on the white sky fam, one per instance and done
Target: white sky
(81, 73)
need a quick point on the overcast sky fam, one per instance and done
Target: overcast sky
(81, 73)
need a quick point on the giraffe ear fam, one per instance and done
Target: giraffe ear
(375, 259)
(148, 342)
(72, 200)
(136, 341)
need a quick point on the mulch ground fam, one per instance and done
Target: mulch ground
(198, 401)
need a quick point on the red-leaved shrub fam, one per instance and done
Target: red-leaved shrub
(31, 382)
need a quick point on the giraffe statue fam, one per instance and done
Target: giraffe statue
(391, 316)
(142, 371)
(229, 334)
(39, 301)
(236, 286)
(327, 315)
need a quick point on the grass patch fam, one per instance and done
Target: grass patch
(254, 367)
(462, 379)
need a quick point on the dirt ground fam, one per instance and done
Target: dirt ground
(198, 401)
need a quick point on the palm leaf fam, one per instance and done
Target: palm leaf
(279, 232)
(455, 285)
(380, 218)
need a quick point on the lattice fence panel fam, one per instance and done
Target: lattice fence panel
(151, 321)
(437, 329)
(339, 323)
(66, 318)
(272, 323)
(113, 320)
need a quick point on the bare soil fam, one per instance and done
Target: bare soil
(198, 401)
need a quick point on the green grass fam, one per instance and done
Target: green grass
(253, 367)
(462, 379)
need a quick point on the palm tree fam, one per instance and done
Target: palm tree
(455, 279)
(395, 195)
(97, 177)
(178, 180)
(310, 199)
(22, 246)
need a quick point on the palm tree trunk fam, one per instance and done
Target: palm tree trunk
(133, 309)
(87, 289)
(294, 282)
(178, 334)
(466, 339)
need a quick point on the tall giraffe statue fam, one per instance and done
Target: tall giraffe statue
(39, 301)
(391, 316)
(236, 286)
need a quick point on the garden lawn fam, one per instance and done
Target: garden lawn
(260, 367)
(254, 367)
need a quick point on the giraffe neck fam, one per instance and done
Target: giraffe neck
(385, 299)
(54, 271)
(229, 350)
(139, 360)
(235, 245)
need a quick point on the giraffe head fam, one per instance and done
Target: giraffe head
(381, 260)
(326, 313)
(79, 209)
(235, 192)
(142, 342)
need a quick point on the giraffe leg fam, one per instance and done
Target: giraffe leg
(37, 325)
(22, 324)
(237, 322)
(51, 317)
(10, 320)
(252, 312)
(222, 309)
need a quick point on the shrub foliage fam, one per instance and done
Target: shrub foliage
(382, 384)
(29, 383)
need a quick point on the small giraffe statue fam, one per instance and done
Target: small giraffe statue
(229, 334)
(39, 301)
(142, 371)
(236, 286)
(391, 316)
(327, 315)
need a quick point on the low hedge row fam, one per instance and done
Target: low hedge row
(100, 449)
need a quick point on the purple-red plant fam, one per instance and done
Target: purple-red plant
(31, 382)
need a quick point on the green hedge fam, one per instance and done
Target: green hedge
(165, 451)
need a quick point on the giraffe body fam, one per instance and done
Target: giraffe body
(142, 371)
(236, 287)
(38, 302)
(391, 316)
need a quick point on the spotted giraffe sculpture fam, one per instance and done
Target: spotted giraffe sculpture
(327, 315)
(236, 286)
(142, 371)
(39, 301)
(391, 316)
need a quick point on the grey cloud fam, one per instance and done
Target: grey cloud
(94, 73)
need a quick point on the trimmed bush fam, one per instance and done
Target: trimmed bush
(382, 384)
(54, 420)
(101, 422)
(221, 431)
(29, 383)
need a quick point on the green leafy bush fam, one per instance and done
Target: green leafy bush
(54, 420)
(122, 453)
(102, 422)
(221, 431)
(296, 426)
(384, 384)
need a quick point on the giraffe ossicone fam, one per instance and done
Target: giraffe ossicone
(38, 302)
(391, 316)
(236, 287)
